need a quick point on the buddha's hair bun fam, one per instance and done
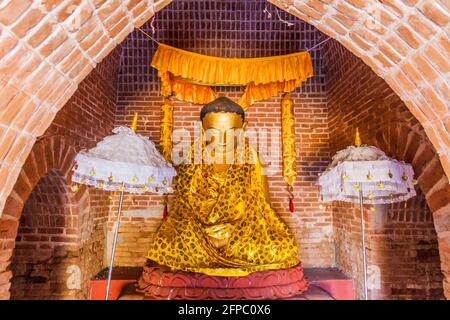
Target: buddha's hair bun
(222, 104)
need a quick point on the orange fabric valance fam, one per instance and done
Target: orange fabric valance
(189, 76)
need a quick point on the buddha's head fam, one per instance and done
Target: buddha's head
(223, 120)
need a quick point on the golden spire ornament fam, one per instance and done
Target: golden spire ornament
(134, 122)
(358, 142)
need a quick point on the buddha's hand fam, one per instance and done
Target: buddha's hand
(219, 234)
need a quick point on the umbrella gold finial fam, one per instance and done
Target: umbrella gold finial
(357, 138)
(134, 123)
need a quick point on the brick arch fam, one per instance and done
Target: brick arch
(44, 226)
(49, 47)
(52, 156)
(405, 142)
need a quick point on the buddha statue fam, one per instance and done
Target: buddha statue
(221, 222)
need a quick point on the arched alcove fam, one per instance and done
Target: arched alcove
(45, 60)
(47, 230)
(50, 243)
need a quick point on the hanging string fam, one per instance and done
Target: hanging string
(157, 42)
(269, 15)
(149, 36)
(289, 24)
(319, 44)
(152, 25)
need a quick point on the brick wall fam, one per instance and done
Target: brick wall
(61, 237)
(404, 250)
(402, 245)
(32, 95)
(219, 32)
(46, 225)
(48, 49)
(325, 121)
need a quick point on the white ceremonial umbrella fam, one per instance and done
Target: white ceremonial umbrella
(125, 162)
(364, 174)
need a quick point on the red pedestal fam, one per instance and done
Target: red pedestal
(334, 282)
(97, 289)
(158, 283)
(323, 284)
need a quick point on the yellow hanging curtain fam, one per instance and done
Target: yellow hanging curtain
(184, 90)
(189, 76)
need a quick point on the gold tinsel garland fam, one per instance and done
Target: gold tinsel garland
(288, 141)
(166, 129)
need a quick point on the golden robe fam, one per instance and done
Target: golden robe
(225, 205)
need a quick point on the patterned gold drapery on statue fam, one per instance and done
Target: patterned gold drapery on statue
(189, 76)
(223, 205)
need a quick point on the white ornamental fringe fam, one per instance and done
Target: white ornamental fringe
(111, 175)
(381, 182)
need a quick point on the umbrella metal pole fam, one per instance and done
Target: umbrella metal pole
(116, 233)
(361, 207)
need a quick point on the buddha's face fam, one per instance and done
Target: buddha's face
(221, 129)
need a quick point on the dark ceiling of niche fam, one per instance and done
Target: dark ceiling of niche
(232, 28)
(224, 28)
